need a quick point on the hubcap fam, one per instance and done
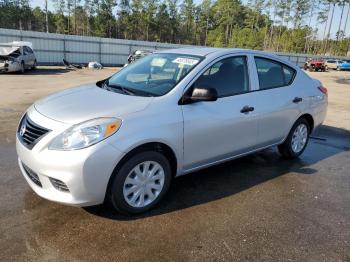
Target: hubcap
(299, 138)
(143, 184)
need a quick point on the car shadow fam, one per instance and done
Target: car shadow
(235, 176)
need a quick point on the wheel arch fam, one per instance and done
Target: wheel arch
(310, 120)
(160, 147)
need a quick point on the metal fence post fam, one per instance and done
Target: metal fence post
(100, 50)
(64, 48)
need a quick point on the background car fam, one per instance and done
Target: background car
(137, 55)
(17, 56)
(315, 65)
(332, 64)
(344, 65)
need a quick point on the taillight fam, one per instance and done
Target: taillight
(323, 90)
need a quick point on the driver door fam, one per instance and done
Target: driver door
(218, 130)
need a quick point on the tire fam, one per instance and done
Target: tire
(118, 192)
(22, 69)
(34, 66)
(288, 149)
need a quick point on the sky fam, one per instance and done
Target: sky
(334, 27)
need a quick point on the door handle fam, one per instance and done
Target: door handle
(297, 100)
(247, 109)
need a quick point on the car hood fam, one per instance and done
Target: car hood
(6, 51)
(88, 102)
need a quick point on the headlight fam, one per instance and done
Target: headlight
(86, 134)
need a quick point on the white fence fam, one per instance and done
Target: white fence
(51, 49)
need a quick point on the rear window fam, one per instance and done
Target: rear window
(273, 74)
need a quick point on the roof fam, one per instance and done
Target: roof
(18, 44)
(204, 51)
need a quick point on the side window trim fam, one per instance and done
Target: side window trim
(281, 64)
(216, 60)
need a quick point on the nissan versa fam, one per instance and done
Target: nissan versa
(125, 138)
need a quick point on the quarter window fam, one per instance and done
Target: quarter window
(228, 76)
(273, 74)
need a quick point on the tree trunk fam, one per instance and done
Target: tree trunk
(346, 20)
(322, 45)
(329, 29)
(306, 47)
(75, 16)
(206, 31)
(46, 17)
(341, 20)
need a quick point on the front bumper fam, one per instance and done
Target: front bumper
(10, 67)
(85, 172)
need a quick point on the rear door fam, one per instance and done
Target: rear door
(28, 56)
(278, 100)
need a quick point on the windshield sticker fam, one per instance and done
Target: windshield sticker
(160, 62)
(185, 61)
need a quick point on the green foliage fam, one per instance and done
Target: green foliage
(275, 25)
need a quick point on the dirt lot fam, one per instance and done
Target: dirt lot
(258, 208)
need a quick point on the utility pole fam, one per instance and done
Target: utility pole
(46, 17)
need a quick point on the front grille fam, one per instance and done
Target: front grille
(30, 133)
(59, 185)
(32, 175)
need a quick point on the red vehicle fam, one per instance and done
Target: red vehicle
(315, 65)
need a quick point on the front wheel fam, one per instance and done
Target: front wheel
(22, 68)
(297, 140)
(140, 183)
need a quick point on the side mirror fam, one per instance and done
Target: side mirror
(199, 94)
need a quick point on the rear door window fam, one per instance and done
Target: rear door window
(273, 74)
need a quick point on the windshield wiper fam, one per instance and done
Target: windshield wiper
(119, 87)
(126, 90)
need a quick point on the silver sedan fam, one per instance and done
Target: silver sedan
(124, 139)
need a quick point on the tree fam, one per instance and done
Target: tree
(105, 21)
(275, 25)
(60, 19)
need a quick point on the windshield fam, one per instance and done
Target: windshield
(154, 75)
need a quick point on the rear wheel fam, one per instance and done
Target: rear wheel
(140, 183)
(297, 139)
(34, 65)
